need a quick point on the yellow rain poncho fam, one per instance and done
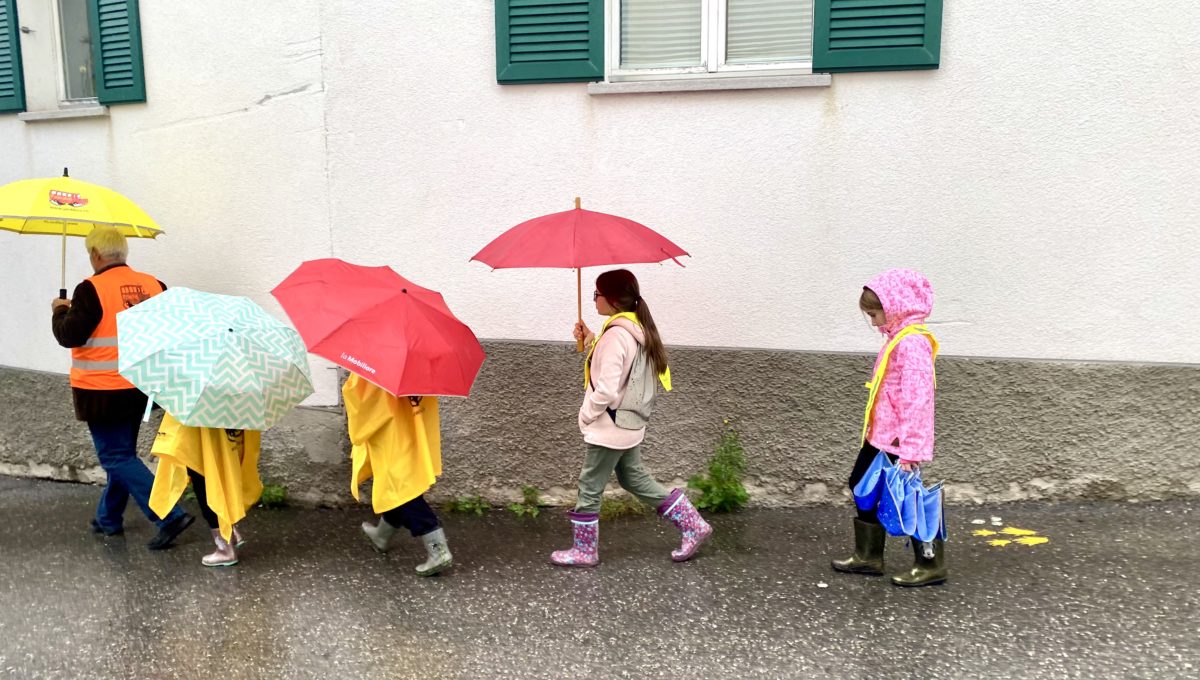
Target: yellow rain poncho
(228, 459)
(401, 447)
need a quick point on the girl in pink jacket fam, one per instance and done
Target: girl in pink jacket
(899, 415)
(624, 366)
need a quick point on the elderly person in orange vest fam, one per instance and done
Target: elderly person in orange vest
(110, 405)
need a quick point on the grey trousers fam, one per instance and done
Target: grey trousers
(599, 465)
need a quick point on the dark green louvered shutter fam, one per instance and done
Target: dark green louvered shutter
(117, 51)
(12, 84)
(876, 35)
(549, 41)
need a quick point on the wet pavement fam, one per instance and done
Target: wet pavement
(1113, 593)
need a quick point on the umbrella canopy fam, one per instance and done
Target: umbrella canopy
(63, 206)
(213, 360)
(66, 205)
(382, 327)
(577, 238)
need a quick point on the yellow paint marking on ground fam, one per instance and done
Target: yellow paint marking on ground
(1013, 531)
(1033, 540)
(999, 542)
(983, 532)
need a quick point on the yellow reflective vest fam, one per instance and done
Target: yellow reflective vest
(664, 378)
(881, 365)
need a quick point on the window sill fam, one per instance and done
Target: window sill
(710, 84)
(62, 114)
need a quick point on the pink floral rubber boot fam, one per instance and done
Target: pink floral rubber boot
(585, 552)
(687, 519)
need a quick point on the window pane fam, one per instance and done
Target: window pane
(660, 33)
(77, 49)
(769, 30)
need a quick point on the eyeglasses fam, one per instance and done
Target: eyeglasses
(595, 296)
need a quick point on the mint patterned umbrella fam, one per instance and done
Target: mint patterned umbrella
(213, 360)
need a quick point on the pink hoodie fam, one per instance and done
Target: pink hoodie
(904, 406)
(611, 362)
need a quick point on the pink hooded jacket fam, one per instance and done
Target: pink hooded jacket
(611, 363)
(902, 421)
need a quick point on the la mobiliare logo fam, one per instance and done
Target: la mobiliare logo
(358, 362)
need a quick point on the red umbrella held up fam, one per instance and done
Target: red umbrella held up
(575, 239)
(381, 326)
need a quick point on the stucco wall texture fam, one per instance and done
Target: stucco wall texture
(1007, 430)
(1041, 177)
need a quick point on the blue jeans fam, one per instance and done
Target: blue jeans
(116, 446)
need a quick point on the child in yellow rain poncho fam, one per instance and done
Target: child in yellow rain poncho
(397, 441)
(223, 468)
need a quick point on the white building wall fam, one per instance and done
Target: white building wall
(228, 155)
(1044, 178)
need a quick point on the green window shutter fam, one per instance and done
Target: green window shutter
(117, 51)
(549, 41)
(876, 35)
(12, 83)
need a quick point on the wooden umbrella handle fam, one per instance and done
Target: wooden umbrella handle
(579, 305)
(578, 295)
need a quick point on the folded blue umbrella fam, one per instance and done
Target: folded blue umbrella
(869, 489)
(898, 501)
(931, 518)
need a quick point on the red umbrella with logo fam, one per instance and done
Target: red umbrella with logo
(381, 326)
(575, 239)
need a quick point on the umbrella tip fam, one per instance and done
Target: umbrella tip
(65, 173)
(577, 203)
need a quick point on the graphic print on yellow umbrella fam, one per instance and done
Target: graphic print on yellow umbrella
(64, 206)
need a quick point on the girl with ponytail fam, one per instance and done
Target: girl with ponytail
(625, 364)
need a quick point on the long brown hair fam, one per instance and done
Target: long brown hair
(620, 288)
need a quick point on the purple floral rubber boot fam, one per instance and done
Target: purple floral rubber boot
(687, 519)
(585, 552)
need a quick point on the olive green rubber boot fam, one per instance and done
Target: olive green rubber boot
(926, 570)
(868, 551)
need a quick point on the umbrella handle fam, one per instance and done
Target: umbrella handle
(579, 304)
(62, 292)
(578, 294)
(149, 407)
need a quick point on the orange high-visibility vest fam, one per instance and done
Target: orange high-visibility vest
(94, 365)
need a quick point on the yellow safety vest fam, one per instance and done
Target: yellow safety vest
(664, 377)
(881, 370)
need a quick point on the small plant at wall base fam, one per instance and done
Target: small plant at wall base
(273, 496)
(721, 489)
(621, 506)
(530, 505)
(469, 505)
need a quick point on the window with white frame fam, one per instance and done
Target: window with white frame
(668, 39)
(78, 84)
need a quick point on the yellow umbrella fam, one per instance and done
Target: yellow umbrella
(62, 206)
